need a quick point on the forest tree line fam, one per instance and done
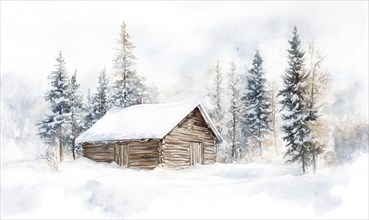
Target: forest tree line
(254, 104)
(69, 116)
(249, 111)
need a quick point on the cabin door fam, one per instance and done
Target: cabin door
(121, 155)
(196, 153)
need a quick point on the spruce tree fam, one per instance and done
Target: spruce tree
(76, 111)
(256, 100)
(53, 126)
(294, 112)
(89, 118)
(101, 102)
(48, 130)
(129, 88)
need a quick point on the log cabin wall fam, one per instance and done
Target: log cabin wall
(142, 154)
(176, 144)
(173, 151)
(101, 152)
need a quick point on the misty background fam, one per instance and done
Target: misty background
(177, 46)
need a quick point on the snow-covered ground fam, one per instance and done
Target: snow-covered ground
(85, 189)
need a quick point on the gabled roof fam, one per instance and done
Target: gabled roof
(145, 121)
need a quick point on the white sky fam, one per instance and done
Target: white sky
(178, 41)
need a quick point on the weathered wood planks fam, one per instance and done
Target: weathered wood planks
(173, 151)
(176, 150)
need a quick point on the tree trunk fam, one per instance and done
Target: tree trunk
(314, 159)
(125, 75)
(260, 150)
(125, 89)
(303, 163)
(60, 144)
(74, 137)
(73, 148)
(273, 88)
(275, 141)
(233, 143)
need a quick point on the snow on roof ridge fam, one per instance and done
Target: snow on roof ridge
(175, 123)
(153, 121)
(189, 101)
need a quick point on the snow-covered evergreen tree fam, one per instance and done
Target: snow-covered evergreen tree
(76, 111)
(101, 102)
(294, 111)
(128, 87)
(89, 118)
(235, 111)
(48, 130)
(256, 100)
(216, 94)
(52, 127)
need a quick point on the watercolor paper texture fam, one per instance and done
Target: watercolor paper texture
(184, 109)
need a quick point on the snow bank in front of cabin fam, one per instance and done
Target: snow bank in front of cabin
(86, 189)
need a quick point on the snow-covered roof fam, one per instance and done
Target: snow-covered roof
(145, 121)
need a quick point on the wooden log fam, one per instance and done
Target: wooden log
(145, 167)
(100, 150)
(146, 146)
(145, 163)
(143, 157)
(182, 133)
(183, 137)
(105, 155)
(144, 149)
(177, 163)
(99, 153)
(176, 160)
(185, 157)
(179, 146)
(144, 152)
(176, 149)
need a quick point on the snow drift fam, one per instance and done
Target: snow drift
(86, 189)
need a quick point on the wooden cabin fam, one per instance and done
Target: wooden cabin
(173, 135)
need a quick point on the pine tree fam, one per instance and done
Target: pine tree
(101, 103)
(235, 111)
(129, 88)
(257, 104)
(89, 118)
(76, 110)
(294, 113)
(48, 130)
(52, 127)
(216, 98)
